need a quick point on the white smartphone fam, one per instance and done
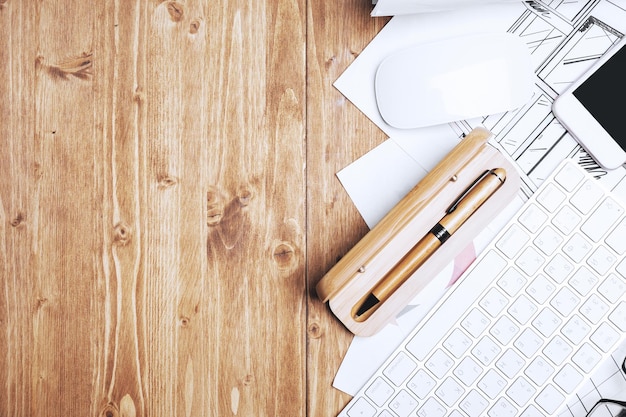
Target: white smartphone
(592, 108)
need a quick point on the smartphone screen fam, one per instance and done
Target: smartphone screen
(603, 94)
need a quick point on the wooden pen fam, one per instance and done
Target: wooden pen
(463, 207)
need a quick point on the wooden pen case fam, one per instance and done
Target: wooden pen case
(378, 251)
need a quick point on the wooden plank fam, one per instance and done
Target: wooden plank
(47, 194)
(337, 134)
(17, 186)
(256, 202)
(153, 208)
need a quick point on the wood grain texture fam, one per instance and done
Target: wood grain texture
(337, 134)
(167, 185)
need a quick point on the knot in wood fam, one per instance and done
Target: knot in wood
(109, 410)
(214, 216)
(314, 331)
(38, 170)
(284, 255)
(139, 96)
(247, 380)
(121, 234)
(184, 321)
(175, 9)
(41, 301)
(18, 220)
(166, 181)
(215, 207)
(330, 62)
(194, 26)
(80, 66)
(244, 197)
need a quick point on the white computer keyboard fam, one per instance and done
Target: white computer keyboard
(539, 309)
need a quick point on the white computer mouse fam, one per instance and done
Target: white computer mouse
(454, 79)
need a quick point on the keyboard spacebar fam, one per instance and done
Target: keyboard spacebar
(462, 296)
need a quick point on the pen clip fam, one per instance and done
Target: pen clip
(467, 190)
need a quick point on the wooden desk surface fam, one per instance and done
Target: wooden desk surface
(168, 202)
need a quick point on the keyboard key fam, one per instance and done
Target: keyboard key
(551, 198)
(502, 408)
(577, 247)
(528, 343)
(587, 357)
(510, 363)
(569, 177)
(541, 289)
(512, 241)
(530, 260)
(557, 350)
(449, 391)
(399, 369)
(475, 322)
(612, 288)
(504, 330)
(550, 399)
(521, 391)
(559, 268)
(431, 408)
(587, 196)
(421, 384)
(522, 309)
(379, 392)
(533, 218)
(403, 404)
(457, 343)
(486, 350)
(539, 370)
(616, 238)
(548, 240)
(618, 316)
(601, 260)
(621, 268)
(468, 371)
(594, 309)
(439, 363)
(599, 223)
(546, 322)
(605, 337)
(474, 404)
(511, 282)
(493, 302)
(532, 411)
(565, 301)
(568, 378)
(575, 330)
(361, 408)
(492, 383)
(566, 220)
(583, 281)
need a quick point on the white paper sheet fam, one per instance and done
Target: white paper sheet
(399, 7)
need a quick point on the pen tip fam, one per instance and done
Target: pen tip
(368, 304)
